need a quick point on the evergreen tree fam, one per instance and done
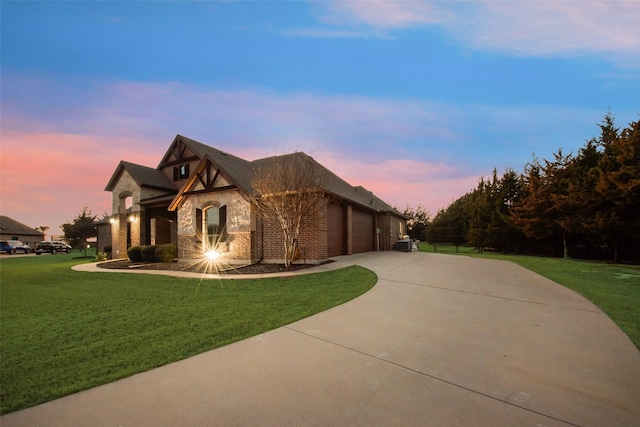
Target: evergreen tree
(619, 184)
(538, 212)
(581, 204)
(450, 225)
(417, 222)
(80, 229)
(479, 211)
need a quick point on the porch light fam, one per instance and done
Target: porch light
(212, 255)
(212, 260)
(132, 218)
(112, 220)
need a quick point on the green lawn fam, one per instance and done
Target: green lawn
(614, 288)
(63, 331)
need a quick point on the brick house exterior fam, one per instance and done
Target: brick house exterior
(197, 192)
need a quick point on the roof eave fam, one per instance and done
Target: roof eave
(115, 177)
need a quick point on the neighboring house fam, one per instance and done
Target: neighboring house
(198, 193)
(10, 229)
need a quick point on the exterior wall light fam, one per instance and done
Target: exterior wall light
(112, 220)
(132, 218)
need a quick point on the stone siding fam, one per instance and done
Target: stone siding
(240, 227)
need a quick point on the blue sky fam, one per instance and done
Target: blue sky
(413, 100)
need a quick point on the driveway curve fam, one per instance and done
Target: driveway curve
(439, 341)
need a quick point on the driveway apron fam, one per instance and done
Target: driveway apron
(439, 341)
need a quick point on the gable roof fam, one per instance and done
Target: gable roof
(239, 173)
(206, 174)
(143, 176)
(11, 226)
(225, 160)
(329, 182)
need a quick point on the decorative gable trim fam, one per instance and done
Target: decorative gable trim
(178, 153)
(207, 178)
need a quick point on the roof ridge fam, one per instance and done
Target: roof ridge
(205, 148)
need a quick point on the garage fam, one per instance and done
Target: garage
(336, 230)
(363, 231)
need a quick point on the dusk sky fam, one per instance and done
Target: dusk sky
(412, 100)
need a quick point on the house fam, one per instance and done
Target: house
(10, 229)
(198, 193)
(103, 238)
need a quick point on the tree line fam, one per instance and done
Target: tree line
(582, 205)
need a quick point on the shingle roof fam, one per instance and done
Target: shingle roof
(11, 226)
(327, 180)
(240, 172)
(143, 176)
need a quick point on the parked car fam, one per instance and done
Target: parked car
(52, 247)
(13, 246)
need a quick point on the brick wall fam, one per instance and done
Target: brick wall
(312, 240)
(257, 234)
(349, 231)
(385, 237)
(239, 246)
(392, 229)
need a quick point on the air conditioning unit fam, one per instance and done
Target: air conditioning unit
(405, 245)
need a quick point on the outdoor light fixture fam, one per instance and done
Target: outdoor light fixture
(132, 218)
(212, 255)
(112, 220)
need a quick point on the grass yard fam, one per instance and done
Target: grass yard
(64, 331)
(614, 288)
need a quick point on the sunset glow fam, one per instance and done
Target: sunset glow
(415, 101)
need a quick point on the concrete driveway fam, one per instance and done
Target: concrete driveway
(439, 341)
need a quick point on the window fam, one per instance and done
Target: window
(215, 223)
(181, 172)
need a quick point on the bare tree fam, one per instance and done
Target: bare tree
(286, 189)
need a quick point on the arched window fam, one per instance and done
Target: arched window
(214, 226)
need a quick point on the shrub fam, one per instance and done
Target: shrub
(101, 256)
(135, 253)
(108, 250)
(148, 253)
(166, 252)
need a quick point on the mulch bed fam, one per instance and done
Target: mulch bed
(258, 268)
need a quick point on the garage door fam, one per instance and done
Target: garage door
(335, 230)
(363, 232)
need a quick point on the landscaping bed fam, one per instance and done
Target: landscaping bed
(258, 268)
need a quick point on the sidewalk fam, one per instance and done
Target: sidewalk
(439, 341)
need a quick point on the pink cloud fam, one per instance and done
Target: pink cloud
(528, 28)
(548, 27)
(384, 14)
(406, 151)
(402, 182)
(48, 177)
(399, 182)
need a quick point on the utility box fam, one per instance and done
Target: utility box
(405, 245)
